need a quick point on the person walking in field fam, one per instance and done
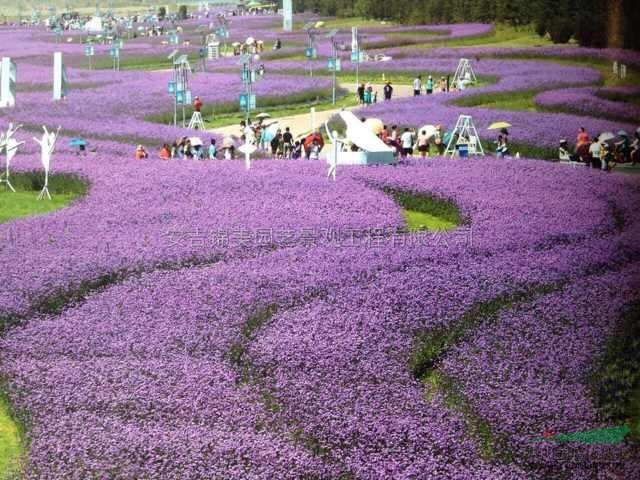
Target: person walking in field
(212, 151)
(417, 86)
(429, 85)
(388, 91)
(287, 140)
(361, 90)
(406, 140)
(423, 144)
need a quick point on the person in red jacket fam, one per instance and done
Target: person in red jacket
(197, 104)
(583, 138)
(165, 152)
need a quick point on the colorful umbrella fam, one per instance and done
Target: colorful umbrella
(270, 132)
(77, 142)
(498, 125)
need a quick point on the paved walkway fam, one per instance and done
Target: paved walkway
(300, 124)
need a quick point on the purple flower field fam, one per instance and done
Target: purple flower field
(195, 320)
(593, 101)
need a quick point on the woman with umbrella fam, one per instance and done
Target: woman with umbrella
(228, 148)
(80, 143)
(502, 143)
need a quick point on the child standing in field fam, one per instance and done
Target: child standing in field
(314, 152)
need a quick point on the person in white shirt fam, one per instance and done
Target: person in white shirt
(594, 151)
(406, 140)
(417, 86)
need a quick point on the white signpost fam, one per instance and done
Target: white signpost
(59, 77)
(287, 15)
(213, 50)
(7, 83)
(47, 146)
(10, 145)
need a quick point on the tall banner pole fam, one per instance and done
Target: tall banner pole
(355, 50)
(287, 15)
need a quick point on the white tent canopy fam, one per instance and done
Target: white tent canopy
(94, 25)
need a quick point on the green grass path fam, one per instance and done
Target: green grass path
(25, 203)
(12, 448)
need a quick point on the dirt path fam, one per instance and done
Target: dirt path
(301, 123)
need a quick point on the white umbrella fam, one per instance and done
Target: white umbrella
(375, 125)
(605, 136)
(263, 115)
(430, 131)
(227, 142)
(250, 41)
(195, 141)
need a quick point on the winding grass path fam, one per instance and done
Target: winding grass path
(12, 448)
(24, 201)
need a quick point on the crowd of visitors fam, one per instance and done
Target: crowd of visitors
(183, 148)
(603, 151)
(434, 86)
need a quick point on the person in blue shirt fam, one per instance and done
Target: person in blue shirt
(429, 85)
(212, 151)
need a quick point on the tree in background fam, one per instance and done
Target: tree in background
(593, 23)
(182, 12)
(631, 24)
(162, 12)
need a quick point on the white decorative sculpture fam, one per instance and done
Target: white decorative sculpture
(247, 149)
(47, 145)
(336, 146)
(10, 145)
(371, 149)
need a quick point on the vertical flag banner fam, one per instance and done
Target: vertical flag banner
(287, 15)
(59, 77)
(7, 83)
